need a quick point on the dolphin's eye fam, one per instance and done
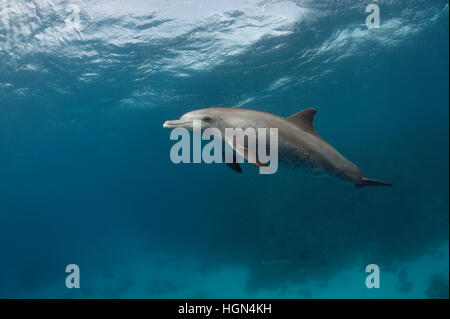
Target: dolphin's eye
(206, 119)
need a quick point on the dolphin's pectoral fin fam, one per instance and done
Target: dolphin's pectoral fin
(304, 119)
(245, 153)
(234, 165)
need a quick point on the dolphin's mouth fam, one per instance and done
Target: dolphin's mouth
(175, 123)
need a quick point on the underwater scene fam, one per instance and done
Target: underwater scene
(88, 184)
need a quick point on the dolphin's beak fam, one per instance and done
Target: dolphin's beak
(175, 123)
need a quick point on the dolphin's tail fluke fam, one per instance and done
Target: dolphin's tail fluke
(371, 182)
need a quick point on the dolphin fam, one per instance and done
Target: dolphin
(299, 145)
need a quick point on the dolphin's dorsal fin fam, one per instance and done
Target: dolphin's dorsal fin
(304, 119)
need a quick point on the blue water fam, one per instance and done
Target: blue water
(86, 177)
